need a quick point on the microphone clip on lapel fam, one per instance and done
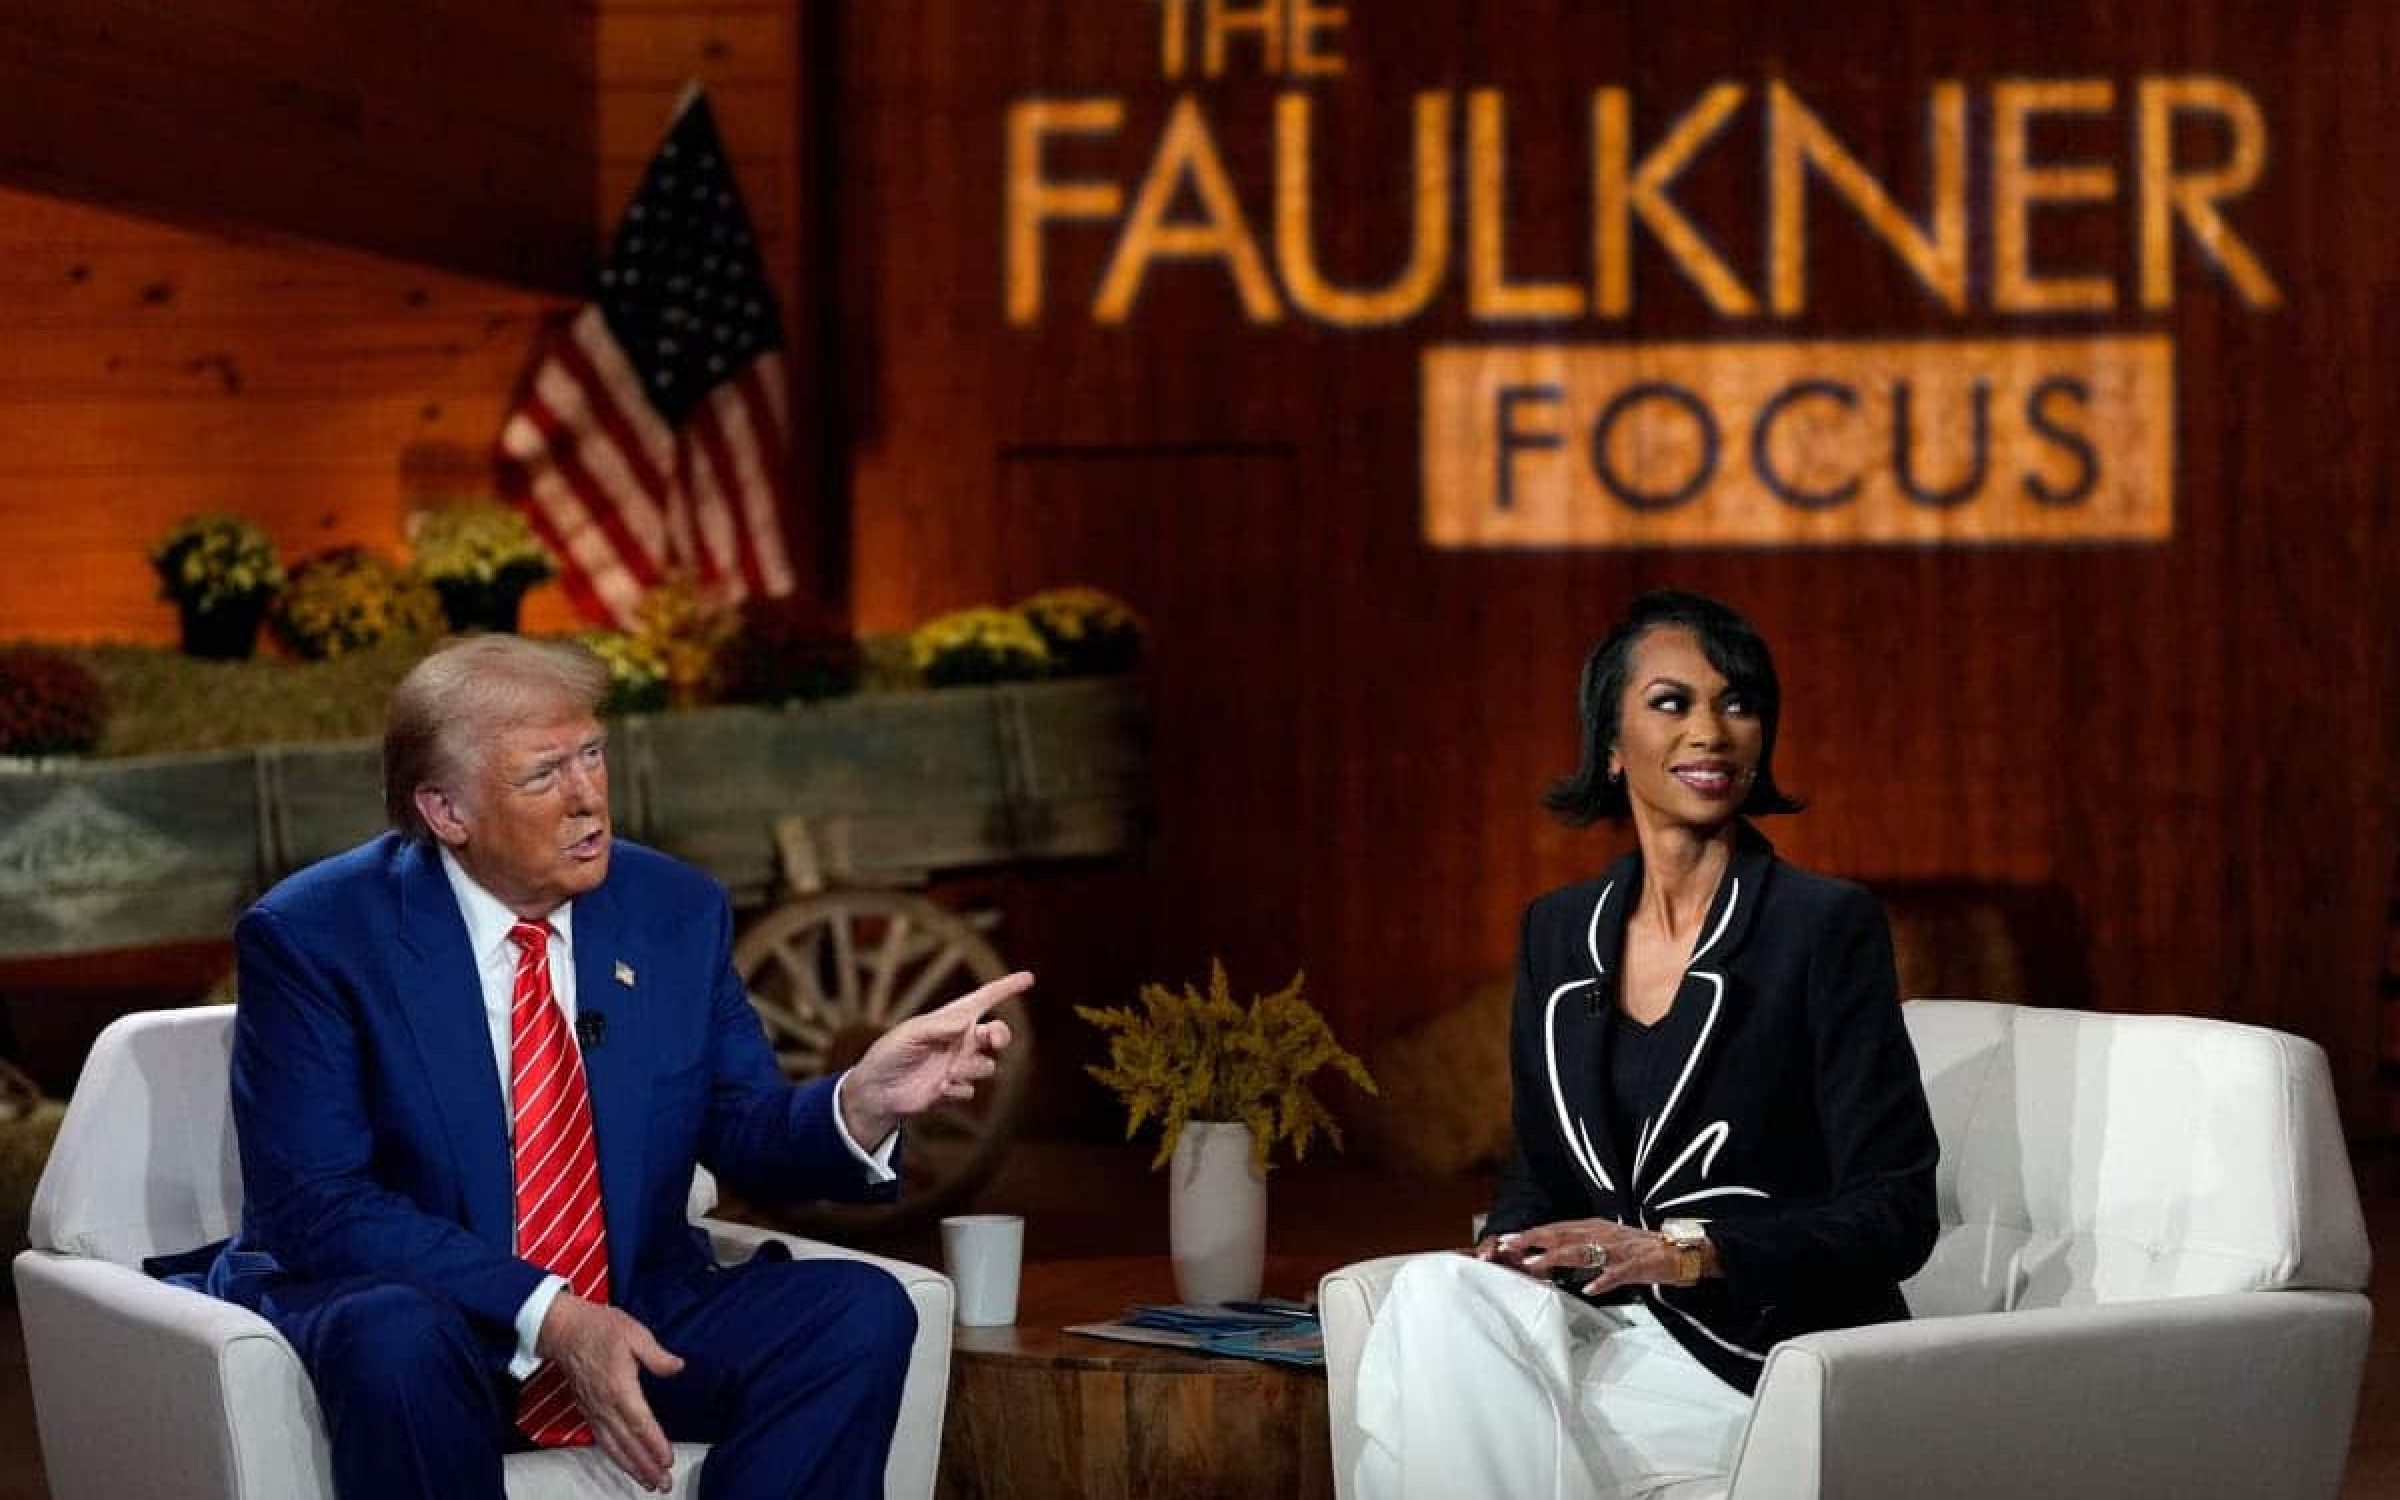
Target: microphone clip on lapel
(1603, 996)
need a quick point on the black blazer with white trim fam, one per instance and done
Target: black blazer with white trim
(1796, 1126)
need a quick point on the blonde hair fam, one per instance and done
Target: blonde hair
(469, 689)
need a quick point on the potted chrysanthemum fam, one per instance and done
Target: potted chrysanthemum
(347, 599)
(1090, 632)
(480, 556)
(978, 645)
(222, 574)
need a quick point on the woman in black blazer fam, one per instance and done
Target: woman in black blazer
(1722, 1138)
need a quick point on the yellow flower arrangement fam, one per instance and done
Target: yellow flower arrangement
(978, 645)
(347, 599)
(637, 678)
(209, 562)
(683, 629)
(1186, 1056)
(1089, 632)
(477, 541)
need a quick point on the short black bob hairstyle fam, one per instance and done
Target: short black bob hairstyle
(1732, 645)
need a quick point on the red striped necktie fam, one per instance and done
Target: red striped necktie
(559, 1226)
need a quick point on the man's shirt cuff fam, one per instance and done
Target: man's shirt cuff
(529, 1326)
(878, 1162)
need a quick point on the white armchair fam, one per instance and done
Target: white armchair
(143, 1391)
(2149, 1281)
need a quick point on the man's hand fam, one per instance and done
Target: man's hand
(602, 1352)
(927, 1058)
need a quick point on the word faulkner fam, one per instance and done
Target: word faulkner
(1767, 441)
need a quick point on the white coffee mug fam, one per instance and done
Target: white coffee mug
(980, 1254)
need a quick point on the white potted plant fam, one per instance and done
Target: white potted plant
(1227, 1083)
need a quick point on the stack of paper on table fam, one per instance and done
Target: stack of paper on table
(1274, 1329)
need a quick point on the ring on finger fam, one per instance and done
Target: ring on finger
(1595, 1257)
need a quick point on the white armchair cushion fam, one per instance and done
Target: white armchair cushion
(581, 1473)
(162, 1082)
(2241, 1396)
(2090, 1158)
(141, 1388)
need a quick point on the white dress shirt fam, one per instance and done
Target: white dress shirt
(488, 922)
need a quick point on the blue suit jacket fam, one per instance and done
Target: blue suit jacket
(374, 1138)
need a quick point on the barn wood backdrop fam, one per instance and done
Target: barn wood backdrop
(2188, 744)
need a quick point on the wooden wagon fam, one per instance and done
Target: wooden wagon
(816, 817)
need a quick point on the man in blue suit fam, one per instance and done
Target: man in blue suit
(372, 1087)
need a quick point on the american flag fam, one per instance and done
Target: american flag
(651, 435)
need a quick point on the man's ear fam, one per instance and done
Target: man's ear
(441, 814)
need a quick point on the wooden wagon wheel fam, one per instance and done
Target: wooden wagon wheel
(828, 974)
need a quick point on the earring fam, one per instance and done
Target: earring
(1617, 777)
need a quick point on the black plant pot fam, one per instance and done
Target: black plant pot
(227, 633)
(480, 606)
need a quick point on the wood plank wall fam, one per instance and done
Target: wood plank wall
(2190, 744)
(155, 369)
(445, 132)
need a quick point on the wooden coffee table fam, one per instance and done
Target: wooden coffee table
(1040, 1414)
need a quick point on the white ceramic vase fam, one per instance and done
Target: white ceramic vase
(1216, 1213)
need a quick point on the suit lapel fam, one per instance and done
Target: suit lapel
(440, 1000)
(615, 1066)
(1572, 1019)
(1667, 1149)
(1604, 946)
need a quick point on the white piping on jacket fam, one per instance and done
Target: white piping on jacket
(1592, 1153)
(1716, 1003)
(1713, 1136)
(1659, 1296)
(1733, 899)
(1569, 1128)
(1591, 929)
(1729, 1191)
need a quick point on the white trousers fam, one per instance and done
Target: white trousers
(1485, 1382)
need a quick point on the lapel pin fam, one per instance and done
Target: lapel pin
(624, 973)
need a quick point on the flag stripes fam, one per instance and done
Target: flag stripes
(651, 437)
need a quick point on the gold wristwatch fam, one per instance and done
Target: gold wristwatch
(1688, 1239)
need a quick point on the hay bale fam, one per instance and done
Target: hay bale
(28, 1125)
(1985, 940)
(1442, 1106)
